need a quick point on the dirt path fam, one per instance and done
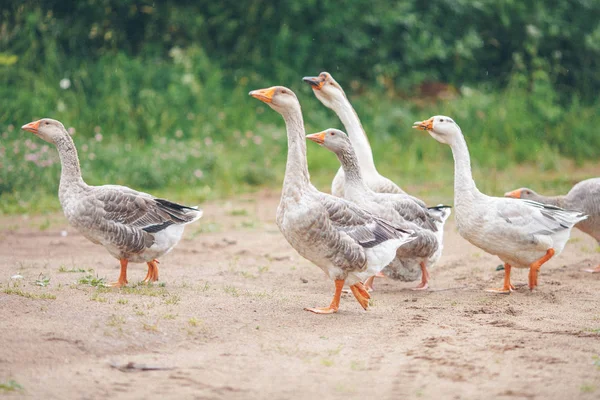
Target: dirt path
(228, 322)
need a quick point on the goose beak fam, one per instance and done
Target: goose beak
(515, 194)
(31, 127)
(318, 138)
(426, 125)
(314, 81)
(264, 95)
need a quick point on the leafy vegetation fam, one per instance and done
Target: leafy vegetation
(156, 94)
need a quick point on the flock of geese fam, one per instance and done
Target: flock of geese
(367, 227)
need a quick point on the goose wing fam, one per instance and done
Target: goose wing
(537, 218)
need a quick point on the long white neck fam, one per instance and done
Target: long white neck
(70, 171)
(464, 185)
(296, 178)
(356, 133)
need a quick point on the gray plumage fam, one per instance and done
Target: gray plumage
(584, 197)
(131, 225)
(403, 210)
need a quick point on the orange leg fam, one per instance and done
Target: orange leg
(424, 278)
(507, 287)
(361, 294)
(152, 275)
(535, 268)
(369, 283)
(335, 303)
(123, 276)
(593, 270)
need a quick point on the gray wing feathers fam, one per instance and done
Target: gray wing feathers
(542, 219)
(129, 219)
(358, 229)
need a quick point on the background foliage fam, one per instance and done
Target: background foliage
(157, 91)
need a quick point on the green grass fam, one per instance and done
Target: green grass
(183, 131)
(29, 295)
(10, 386)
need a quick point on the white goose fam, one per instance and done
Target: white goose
(331, 94)
(522, 233)
(584, 197)
(133, 226)
(346, 242)
(401, 209)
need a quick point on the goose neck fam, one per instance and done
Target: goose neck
(357, 135)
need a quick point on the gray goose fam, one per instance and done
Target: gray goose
(584, 197)
(331, 94)
(133, 226)
(348, 243)
(522, 233)
(403, 210)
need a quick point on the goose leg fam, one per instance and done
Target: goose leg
(361, 294)
(593, 270)
(507, 287)
(335, 303)
(424, 278)
(152, 275)
(369, 283)
(122, 276)
(535, 268)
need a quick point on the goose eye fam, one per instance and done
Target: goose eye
(441, 119)
(47, 123)
(332, 133)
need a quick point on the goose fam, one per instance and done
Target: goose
(348, 243)
(522, 233)
(331, 94)
(583, 197)
(403, 210)
(133, 226)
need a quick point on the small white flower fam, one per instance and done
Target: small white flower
(98, 137)
(65, 83)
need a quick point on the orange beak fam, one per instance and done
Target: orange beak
(315, 81)
(424, 125)
(264, 95)
(31, 127)
(515, 194)
(318, 138)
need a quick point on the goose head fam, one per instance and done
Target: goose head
(441, 128)
(521, 193)
(46, 129)
(332, 139)
(326, 89)
(279, 98)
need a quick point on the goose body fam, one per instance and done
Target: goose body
(522, 233)
(584, 197)
(348, 243)
(402, 210)
(331, 94)
(133, 226)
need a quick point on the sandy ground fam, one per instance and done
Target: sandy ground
(227, 321)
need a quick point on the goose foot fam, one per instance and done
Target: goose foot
(424, 278)
(508, 287)
(335, 302)
(152, 275)
(369, 284)
(361, 294)
(592, 270)
(122, 276)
